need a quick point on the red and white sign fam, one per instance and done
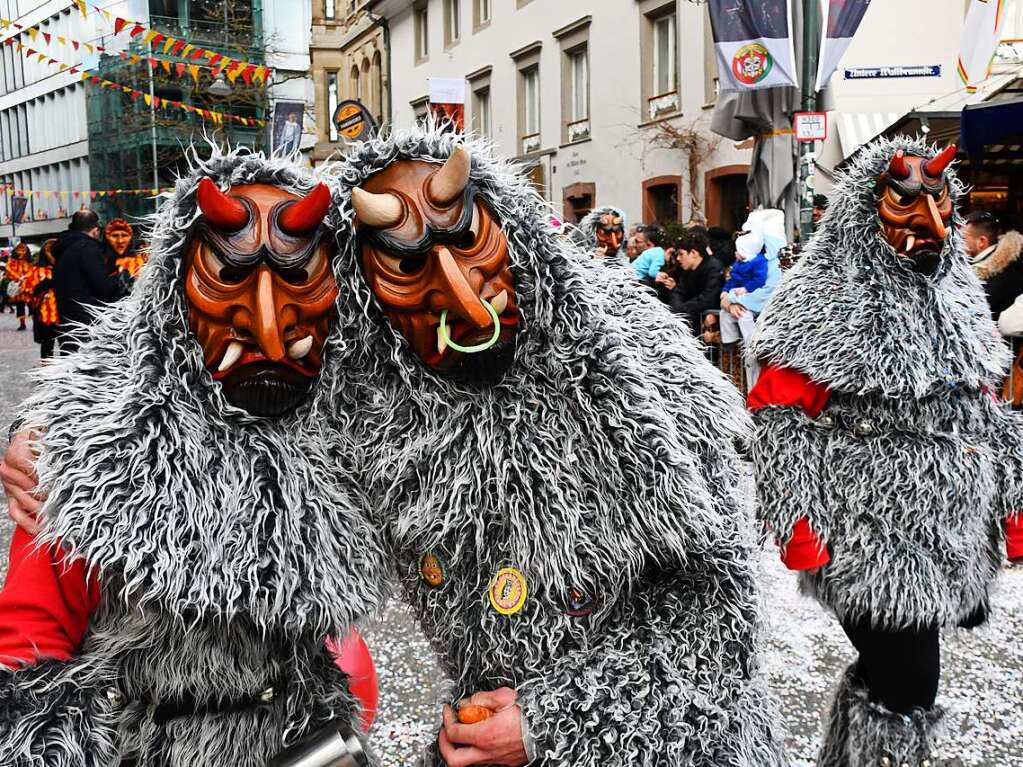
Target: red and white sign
(811, 126)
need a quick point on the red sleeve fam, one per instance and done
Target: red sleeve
(45, 603)
(785, 387)
(804, 550)
(1014, 538)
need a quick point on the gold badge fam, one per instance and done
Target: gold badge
(508, 591)
(432, 570)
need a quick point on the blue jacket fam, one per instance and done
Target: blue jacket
(649, 262)
(750, 274)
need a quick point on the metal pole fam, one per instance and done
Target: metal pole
(807, 149)
(152, 128)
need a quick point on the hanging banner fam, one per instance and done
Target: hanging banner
(841, 20)
(753, 40)
(982, 31)
(447, 100)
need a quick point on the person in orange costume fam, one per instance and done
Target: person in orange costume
(42, 301)
(120, 239)
(886, 467)
(18, 266)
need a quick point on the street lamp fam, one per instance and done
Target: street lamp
(219, 87)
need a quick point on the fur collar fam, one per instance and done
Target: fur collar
(999, 257)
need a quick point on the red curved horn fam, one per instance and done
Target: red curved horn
(222, 211)
(898, 168)
(936, 166)
(307, 213)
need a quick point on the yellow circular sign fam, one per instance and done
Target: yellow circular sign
(508, 591)
(350, 121)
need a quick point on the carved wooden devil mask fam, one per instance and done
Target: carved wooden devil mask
(437, 261)
(260, 292)
(610, 233)
(915, 206)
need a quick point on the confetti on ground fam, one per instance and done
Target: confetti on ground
(805, 650)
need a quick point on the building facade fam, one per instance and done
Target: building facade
(349, 59)
(598, 99)
(44, 138)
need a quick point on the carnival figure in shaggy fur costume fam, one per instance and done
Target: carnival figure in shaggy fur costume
(562, 507)
(222, 546)
(602, 233)
(884, 462)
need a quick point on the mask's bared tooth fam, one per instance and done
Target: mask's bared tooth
(500, 302)
(231, 356)
(442, 345)
(299, 349)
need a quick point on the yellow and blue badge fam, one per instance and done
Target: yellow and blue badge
(508, 591)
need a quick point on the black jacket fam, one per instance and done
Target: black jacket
(698, 290)
(82, 277)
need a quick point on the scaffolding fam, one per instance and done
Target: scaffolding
(135, 145)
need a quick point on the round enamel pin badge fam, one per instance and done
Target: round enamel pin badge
(508, 591)
(432, 570)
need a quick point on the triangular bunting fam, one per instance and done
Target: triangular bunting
(194, 71)
(137, 30)
(179, 68)
(166, 65)
(178, 47)
(119, 24)
(48, 37)
(148, 98)
(168, 44)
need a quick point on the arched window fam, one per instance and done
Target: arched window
(355, 85)
(366, 85)
(377, 84)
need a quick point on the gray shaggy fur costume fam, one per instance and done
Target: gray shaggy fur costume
(909, 473)
(597, 463)
(227, 546)
(584, 234)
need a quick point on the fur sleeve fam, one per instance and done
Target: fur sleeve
(1007, 436)
(788, 454)
(49, 718)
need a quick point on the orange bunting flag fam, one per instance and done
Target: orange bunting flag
(166, 65)
(168, 44)
(32, 32)
(193, 69)
(89, 47)
(232, 74)
(149, 37)
(148, 98)
(81, 8)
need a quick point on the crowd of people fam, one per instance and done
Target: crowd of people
(62, 282)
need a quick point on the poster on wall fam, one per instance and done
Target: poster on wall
(447, 101)
(286, 137)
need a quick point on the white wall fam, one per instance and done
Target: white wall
(618, 158)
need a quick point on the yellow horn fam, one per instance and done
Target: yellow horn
(380, 211)
(448, 183)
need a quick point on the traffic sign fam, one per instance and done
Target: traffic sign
(811, 126)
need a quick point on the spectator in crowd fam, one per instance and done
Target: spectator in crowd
(83, 276)
(740, 307)
(42, 301)
(996, 259)
(722, 245)
(18, 267)
(632, 247)
(820, 207)
(649, 244)
(691, 285)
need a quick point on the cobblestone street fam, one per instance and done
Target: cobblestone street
(806, 649)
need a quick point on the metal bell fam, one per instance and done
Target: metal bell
(268, 695)
(863, 428)
(114, 697)
(925, 763)
(886, 762)
(826, 421)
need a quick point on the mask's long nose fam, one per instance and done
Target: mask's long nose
(267, 330)
(465, 302)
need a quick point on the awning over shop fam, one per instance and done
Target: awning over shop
(994, 130)
(857, 128)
